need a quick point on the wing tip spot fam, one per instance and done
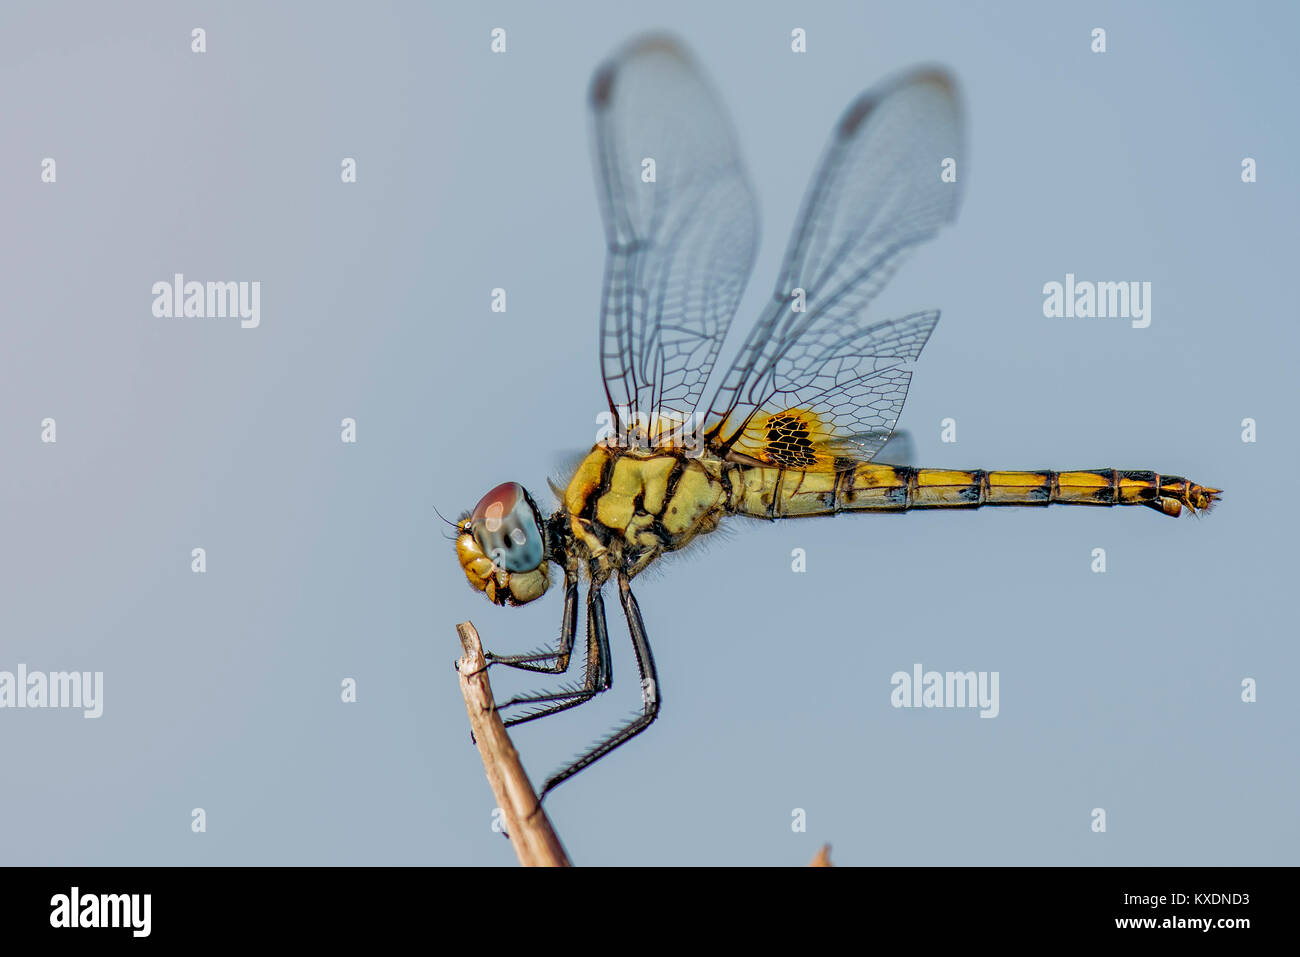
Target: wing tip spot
(861, 108)
(657, 43)
(856, 113)
(602, 82)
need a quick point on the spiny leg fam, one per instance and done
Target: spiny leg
(645, 663)
(549, 662)
(598, 674)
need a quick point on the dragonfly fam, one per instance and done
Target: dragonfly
(796, 425)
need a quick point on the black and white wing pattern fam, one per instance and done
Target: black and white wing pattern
(815, 382)
(681, 227)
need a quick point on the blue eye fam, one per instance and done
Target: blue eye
(505, 526)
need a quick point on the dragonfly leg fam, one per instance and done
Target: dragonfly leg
(599, 672)
(650, 699)
(549, 662)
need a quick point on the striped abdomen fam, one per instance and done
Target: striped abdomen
(785, 493)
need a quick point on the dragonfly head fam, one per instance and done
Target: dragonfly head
(502, 546)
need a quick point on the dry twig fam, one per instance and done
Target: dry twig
(823, 858)
(530, 830)
(534, 840)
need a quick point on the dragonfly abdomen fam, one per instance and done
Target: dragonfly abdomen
(785, 493)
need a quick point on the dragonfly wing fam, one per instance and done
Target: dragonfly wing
(826, 400)
(681, 227)
(877, 193)
(898, 449)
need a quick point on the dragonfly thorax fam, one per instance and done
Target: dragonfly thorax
(625, 507)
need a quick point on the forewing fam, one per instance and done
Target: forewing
(877, 192)
(680, 247)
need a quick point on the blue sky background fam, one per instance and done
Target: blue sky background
(326, 560)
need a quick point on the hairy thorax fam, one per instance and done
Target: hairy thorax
(628, 506)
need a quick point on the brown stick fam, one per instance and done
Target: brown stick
(529, 828)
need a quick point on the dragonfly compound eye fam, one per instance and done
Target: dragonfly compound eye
(506, 527)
